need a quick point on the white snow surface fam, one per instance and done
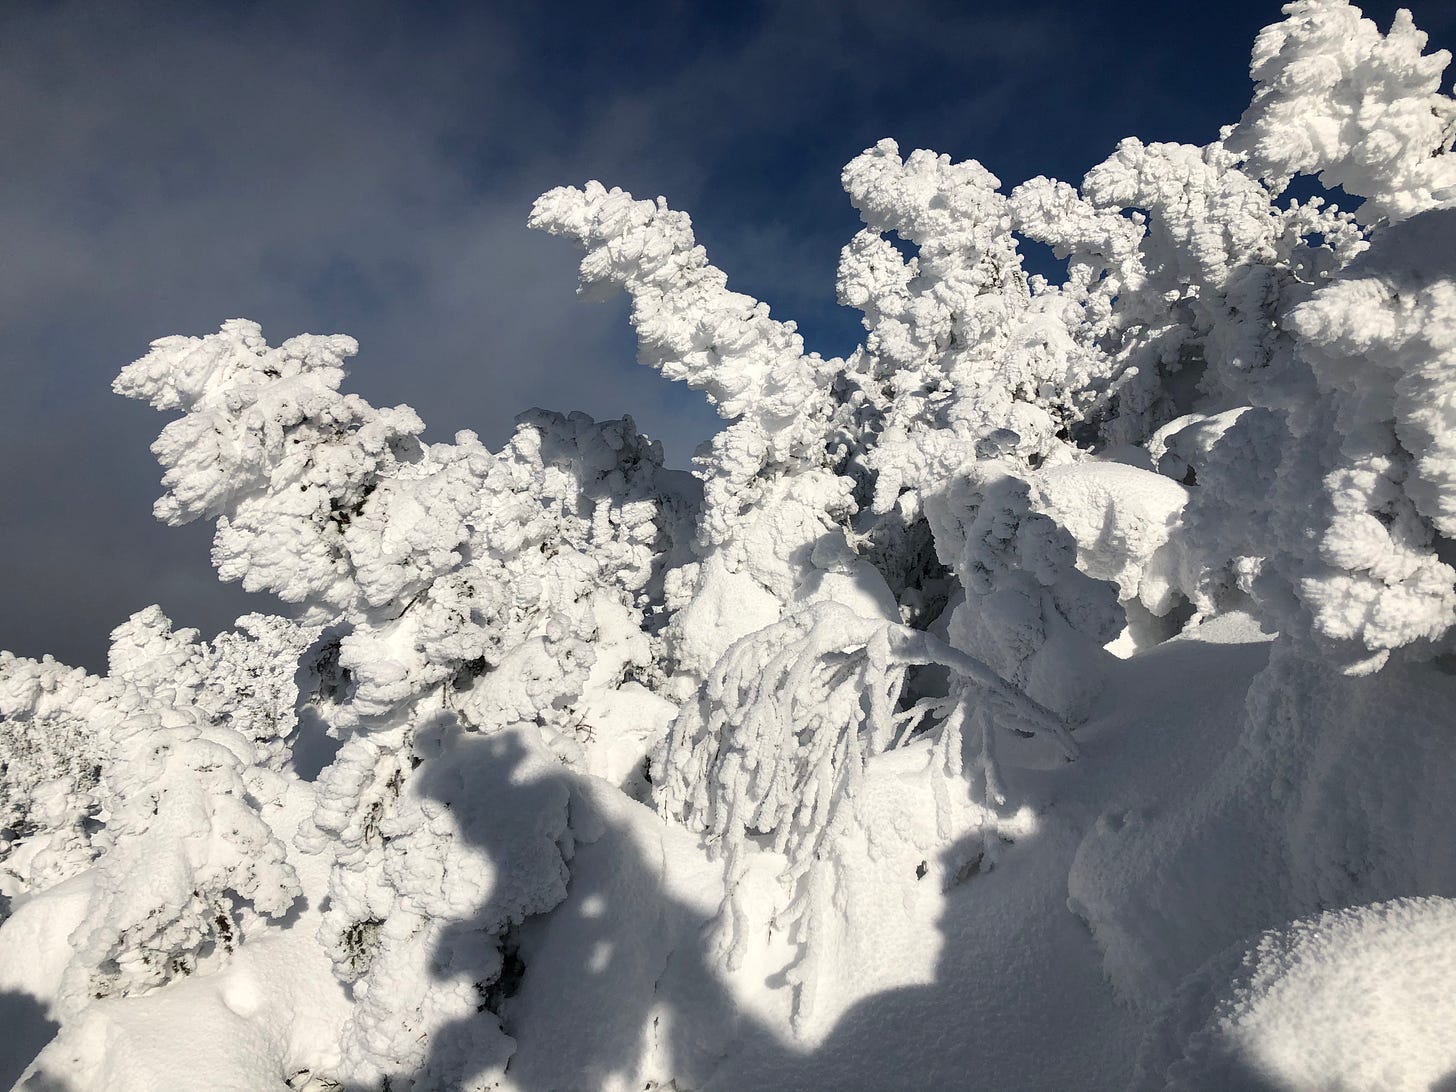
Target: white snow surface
(273, 1012)
(1356, 998)
(1054, 693)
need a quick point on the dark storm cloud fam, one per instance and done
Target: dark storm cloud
(166, 173)
(367, 168)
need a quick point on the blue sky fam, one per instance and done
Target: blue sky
(367, 169)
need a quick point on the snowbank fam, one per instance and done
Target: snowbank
(1351, 999)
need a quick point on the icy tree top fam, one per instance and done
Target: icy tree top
(1364, 111)
(689, 325)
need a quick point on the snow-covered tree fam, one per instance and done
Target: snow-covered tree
(812, 444)
(1234, 329)
(463, 592)
(1361, 110)
(776, 740)
(908, 573)
(132, 772)
(50, 769)
(774, 504)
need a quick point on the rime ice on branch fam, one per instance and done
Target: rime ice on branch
(1234, 403)
(463, 592)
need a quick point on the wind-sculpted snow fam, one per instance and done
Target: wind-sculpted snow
(184, 842)
(471, 593)
(243, 679)
(1124, 520)
(1331, 512)
(167, 805)
(1026, 609)
(563, 531)
(1382, 342)
(962, 361)
(567, 770)
(691, 327)
(54, 751)
(1179, 268)
(272, 450)
(1336, 98)
(777, 738)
